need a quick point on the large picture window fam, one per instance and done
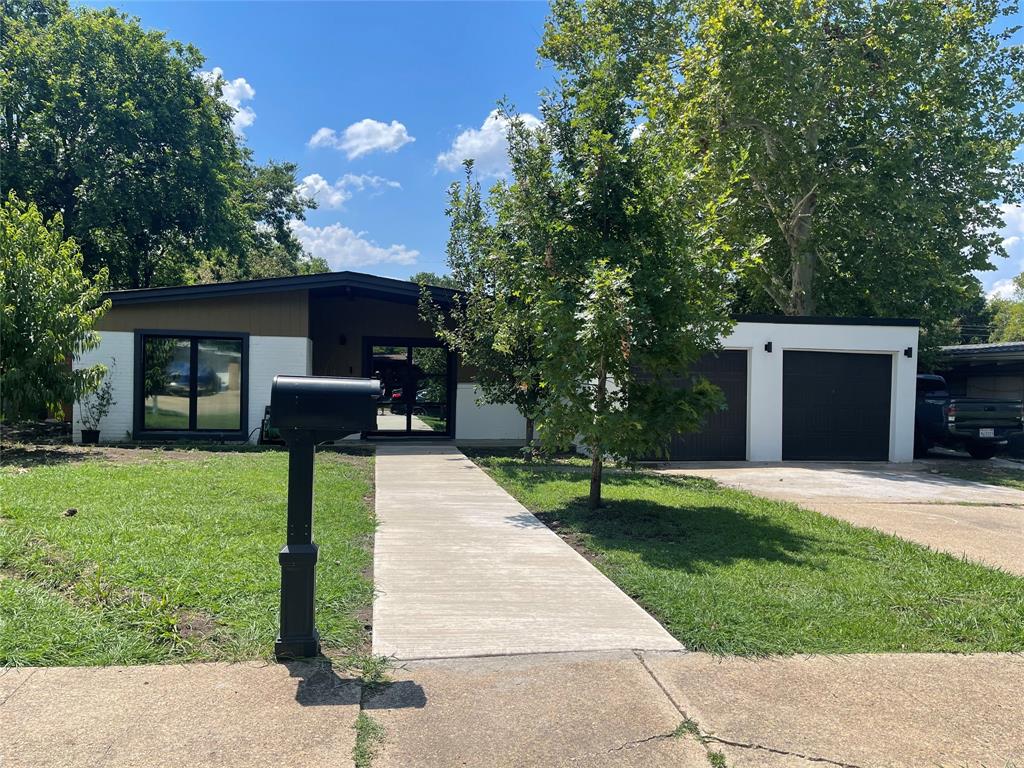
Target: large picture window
(191, 383)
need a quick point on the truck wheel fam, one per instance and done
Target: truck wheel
(982, 451)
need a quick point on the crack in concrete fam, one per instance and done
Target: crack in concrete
(20, 686)
(638, 742)
(706, 737)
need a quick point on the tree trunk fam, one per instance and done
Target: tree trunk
(802, 255)
(528, 452)
(596, 467)
(597, 452)
(802, 291)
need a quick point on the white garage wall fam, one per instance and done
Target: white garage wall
(482, 421)
(114, 346)
(268, 356)
(764, 415)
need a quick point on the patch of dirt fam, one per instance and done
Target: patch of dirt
(195, 626)
(570, 537)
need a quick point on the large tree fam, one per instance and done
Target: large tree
(880, 136)
(47, 312)
(599, 252)
(115, 128)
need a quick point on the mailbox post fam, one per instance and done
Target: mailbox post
(308, 410)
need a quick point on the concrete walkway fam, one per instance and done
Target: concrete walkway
(612, 709)
(978, 521)
(463, 569)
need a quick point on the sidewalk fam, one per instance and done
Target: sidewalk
(463, 569)
(613, 709)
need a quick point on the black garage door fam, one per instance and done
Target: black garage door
(724, 435)
(835, 406)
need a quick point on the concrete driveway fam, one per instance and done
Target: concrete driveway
(968, 519)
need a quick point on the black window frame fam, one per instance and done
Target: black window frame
(139, 431)
(451, 377)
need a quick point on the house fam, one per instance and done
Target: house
(198, 361)
(993, 370)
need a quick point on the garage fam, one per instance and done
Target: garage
(836, 406)
(724, 436)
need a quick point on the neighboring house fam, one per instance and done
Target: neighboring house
(984, 370)
(198, 361)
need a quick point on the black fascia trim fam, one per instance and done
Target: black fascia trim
(813, 320)
(384, 286)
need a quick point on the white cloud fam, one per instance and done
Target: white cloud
(344, 248)
(233, 93)
(637, 131)
(1002, 289)
(363, 137)
(997, 282)
(487, 146)
(335, 195)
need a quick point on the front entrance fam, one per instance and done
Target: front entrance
(419, 384)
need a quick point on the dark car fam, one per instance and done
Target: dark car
(977, 425)
(207, 380)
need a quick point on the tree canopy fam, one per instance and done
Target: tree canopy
(116, 129)
(48, 311)
(880, 139)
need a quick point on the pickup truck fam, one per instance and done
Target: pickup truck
(977, 425)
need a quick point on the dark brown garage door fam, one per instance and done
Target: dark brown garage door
(724, 436)
(835, 406)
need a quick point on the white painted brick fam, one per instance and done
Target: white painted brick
(114, 346)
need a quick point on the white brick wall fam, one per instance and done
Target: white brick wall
(119, 346)
(268, 356)
(484, 421)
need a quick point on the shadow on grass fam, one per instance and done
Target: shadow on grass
(677, 536)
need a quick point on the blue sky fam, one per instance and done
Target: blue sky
(377, 102)
(416, 80)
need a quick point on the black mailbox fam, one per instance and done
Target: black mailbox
(307, 410)
(329, 406)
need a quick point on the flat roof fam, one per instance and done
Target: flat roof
(402, 290)
(826, 320)
(1002, 350)
(358, 281)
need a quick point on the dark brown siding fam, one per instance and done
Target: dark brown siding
(334, 317)
(265, 314)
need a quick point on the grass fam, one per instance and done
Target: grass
(369, 735)
(730, 573)
(984, 472)
(170, 559)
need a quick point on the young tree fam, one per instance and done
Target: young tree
(599, 253)
(49, 309)
(490, 334)
(881, 139)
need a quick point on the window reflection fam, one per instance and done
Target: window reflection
(219, 384)
(167, 376)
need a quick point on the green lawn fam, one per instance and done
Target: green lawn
(171, 559)
(983, 472)
(731, 573)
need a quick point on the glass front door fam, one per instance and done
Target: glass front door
(417, 378)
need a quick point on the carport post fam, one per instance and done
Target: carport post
(298, 637)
